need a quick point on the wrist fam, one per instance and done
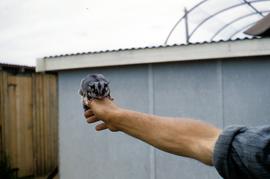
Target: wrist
(113, 117)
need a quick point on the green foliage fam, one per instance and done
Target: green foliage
(6, 172)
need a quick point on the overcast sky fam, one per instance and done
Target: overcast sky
(31, 29)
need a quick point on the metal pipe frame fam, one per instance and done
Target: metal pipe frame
(176, 24)
(234, 21)
(253, 8)
(245, 2)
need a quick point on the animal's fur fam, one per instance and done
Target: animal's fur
(94, 86)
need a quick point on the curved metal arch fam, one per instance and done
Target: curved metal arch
(202, 2)
(253, 8)
(176, 24)
(243, 28)
(235, 20)
(221, 11)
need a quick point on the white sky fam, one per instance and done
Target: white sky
(30, 29)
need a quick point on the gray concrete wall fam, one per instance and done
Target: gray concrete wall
(220, 92)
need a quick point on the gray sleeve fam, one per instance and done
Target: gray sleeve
(242, 152)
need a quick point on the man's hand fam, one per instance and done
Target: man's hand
(102, 110)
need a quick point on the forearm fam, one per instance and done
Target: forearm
(180, 136)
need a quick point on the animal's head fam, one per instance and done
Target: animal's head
(94, 86)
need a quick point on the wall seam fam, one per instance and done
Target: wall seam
(151, 111)
(220, 71)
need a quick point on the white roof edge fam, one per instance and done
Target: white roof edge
(229, 49)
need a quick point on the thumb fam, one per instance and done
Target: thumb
(88, 103)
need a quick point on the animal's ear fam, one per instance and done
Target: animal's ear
(81, 86)
(102, 77)
(81, 83)
(80, 92)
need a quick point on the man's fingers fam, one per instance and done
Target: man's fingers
(88, 113)
(92, 119)
(101, 126)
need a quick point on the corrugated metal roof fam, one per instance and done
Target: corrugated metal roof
(147, 47)
(237, 48)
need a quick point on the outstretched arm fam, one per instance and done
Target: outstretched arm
(181, 136)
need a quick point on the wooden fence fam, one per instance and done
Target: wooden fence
(29, 121)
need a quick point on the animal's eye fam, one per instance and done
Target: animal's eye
(90, 86)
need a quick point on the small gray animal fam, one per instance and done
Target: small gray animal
(94, 86)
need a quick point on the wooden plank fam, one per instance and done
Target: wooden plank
(43, 123)
(11, 122)
(24, 120)
(38, 119)
(36, 130)
(34, 124)
(54, 119)
(46, 121)
(42, 126)
(4, 108)
(49, 123)
(1, 113)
